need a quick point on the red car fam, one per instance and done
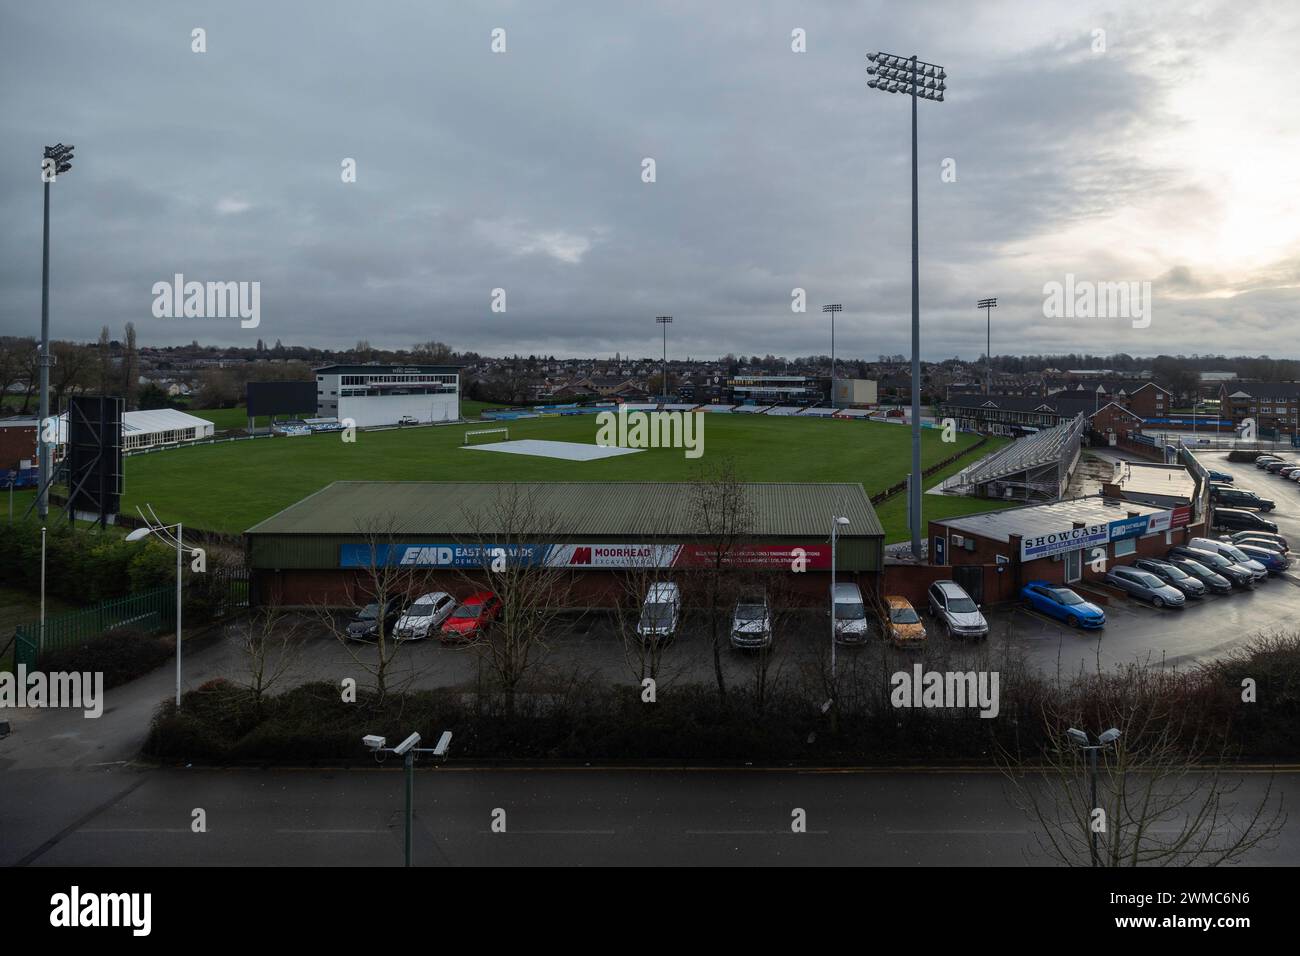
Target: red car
(471, 616)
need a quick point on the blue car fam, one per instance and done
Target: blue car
(1063, 604)
(1272, 560)
(1220, 476)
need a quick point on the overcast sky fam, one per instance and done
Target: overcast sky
(1169, 157)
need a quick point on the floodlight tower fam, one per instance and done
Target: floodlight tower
(987, 305)
(57, 160)
(907, 74)
(665, 321)
(832, 309)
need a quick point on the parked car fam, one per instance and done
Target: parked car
(1275, 539)
(1263, 460)
(660, 611)
(408, 420)
(1239, 576)
(1238, 519)
(905, 627)
(1288, 471)
(365, 625)
(1221, 476)
(1063, 604)
(1212, 580)
(1145, 586)
(851, 624)
(472, 617)
(1274, 561)
(960, 615)
(1239, 498)
(1232, 553)
(1173, 576)
(751, 622)
(1275, 467)
(424, 616)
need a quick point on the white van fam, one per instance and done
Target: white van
(660, 611)
(851, 625)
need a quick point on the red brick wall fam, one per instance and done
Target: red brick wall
(349, 587)
(17, 443)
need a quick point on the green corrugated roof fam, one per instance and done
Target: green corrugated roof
(580, 507)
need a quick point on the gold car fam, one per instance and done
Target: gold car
(905, 627)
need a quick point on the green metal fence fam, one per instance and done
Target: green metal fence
(149, 611)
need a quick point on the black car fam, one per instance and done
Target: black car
(1238, 498)
(1212, 580)
(365, 625)
(1173, 575)
(1238, 519)
(1239, 576)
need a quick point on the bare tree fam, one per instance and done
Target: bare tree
(384, 581)
(270, 642)
(505, 537)
(1165, 796)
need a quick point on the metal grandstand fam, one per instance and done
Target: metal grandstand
(1034, 468)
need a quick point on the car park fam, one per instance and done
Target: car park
(1238, 498)
(365, 625)
(424, 616)
(1238, 519)
(851, 624)
(472, 617)
(905, 627)
(1063, 604)
(1173, 576)
(1144, 586)
(1212, 580)
(959, 614)
(1288, 470)
(1275, 467)
(1273, 561)
(1232, 553)
(1255, 536)
(1263, 460)
(1239, 576)
(751, 622)
(660, 612)
(1221, 476)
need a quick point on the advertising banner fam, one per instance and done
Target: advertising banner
(1129, 528)
(811, 557)
(1180, 517)
(1067, 539)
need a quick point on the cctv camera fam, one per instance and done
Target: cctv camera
(374, 741)
(443, 745)
(407, 745)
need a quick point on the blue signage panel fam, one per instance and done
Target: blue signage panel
(1129, 528)
(421, 555)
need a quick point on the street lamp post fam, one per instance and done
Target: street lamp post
(832, 309)
(176, 539)
(41, 644)
(409, 750)
(837, 522)
(665, 321)
(57, 160)
(1080, 739)
(988, 305)
(907, 74)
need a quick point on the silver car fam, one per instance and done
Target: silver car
(1145, 586)
(953, 606)
(751, 623)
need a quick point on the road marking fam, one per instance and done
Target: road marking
(555, 832)
(751, 832)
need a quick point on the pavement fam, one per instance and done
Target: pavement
(574, 817)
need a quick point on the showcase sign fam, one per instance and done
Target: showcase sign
(607, 556)
(1067, 539)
